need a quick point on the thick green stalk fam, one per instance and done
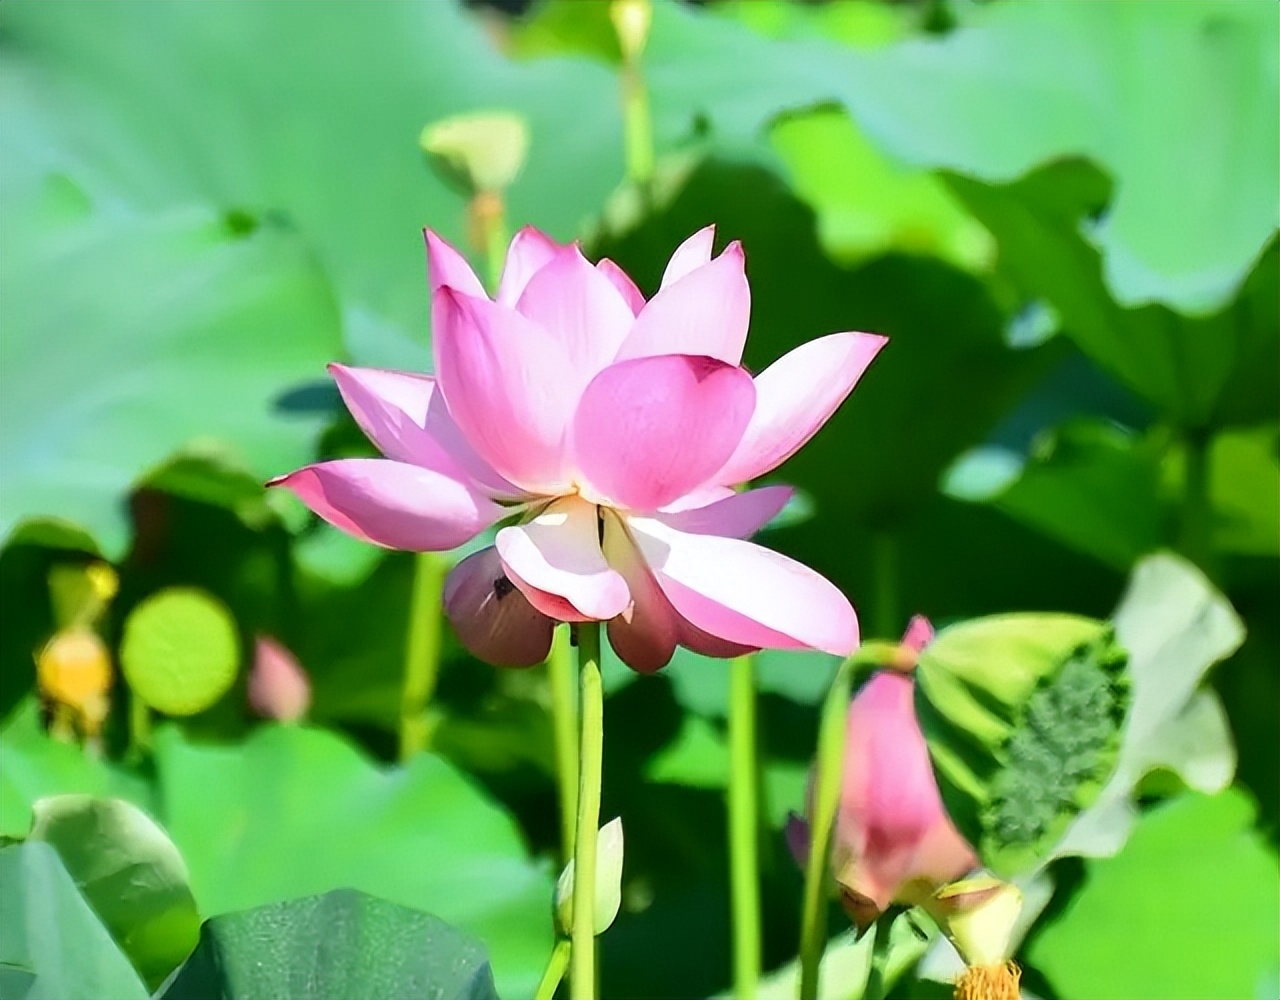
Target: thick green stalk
(139, 727)
(421, 652)
(826, 802)
(744, 861)
(564, 722)
(1195, 533)
(637, 125)
(582, 972)
(556, 967)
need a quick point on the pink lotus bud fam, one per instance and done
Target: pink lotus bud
(893, 841)
(278, 686)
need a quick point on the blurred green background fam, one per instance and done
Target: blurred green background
(1063, 215)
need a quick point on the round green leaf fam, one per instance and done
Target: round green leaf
(180, 651)
(130, 873)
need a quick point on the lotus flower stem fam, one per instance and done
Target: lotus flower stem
(826, 802)
(1195, 539)
(744, 861)
(631, 19)
(139, 727)
(582, 973)
(556, 967)
(422, 651)
(565, 726)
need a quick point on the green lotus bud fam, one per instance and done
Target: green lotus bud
(631, 20)
(1023, 717)
(608, 881)
(479, 153)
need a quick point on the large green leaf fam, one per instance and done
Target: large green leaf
(297, 812)
(52, 945)
(341, 944)
(130, 873)
(1187, 909)
(1178, 101)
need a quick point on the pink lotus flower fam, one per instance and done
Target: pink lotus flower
(608, 431)
(278, 686)
(894, 842)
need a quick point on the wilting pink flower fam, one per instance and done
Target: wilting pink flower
(894, 841)
(278, 686)
(609, 432)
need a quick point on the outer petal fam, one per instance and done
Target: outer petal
(690, 255)
(503, 378)
(646, 634)
(739, 515)
(745, 593)
(445, 266)
(407, 420)
(581, 308)
(620, 280)
(650, 430)
(559, 552)
(705, 312)
(529, 252)
(393, 504)
(493, 619)
(797, 394)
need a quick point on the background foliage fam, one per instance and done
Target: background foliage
(1063, 215)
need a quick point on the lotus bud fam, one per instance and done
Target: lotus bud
(1022, 714)
(631, 20)
(73, 671)
(977, 916)
(479, 153)
(278, 686)
(608, 881)
(81, 593)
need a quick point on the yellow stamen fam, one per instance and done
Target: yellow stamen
(989, 982)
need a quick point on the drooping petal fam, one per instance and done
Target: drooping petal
(407, 420)
(393, 504)
(503, 378)
(745, 593)
(446, 266)
(581, 308)
(738, 515)
(492, 618)
(529, 252)
(620, 280)
(645, 635)
(649, 430)
(705, 312)
(559, 552)
(797, 394)
(690, 255)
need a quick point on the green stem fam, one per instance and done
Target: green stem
(495, 247)
(556, 966)
(422, 652)
(637, 125)
(826, 802)
(564, 724)
(582, 973)
(1195, 535)
(884, 562)
(139, 727)
(744, 873)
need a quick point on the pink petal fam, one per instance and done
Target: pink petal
(278, 686)
(529, 252)
(700, 497)
(559, 552)
(919, 633)
(393, 504)
(797, 394)
(705, 312)
(579, 307)
(649, 430)
(620, 280)
(504, 380)
(738, 515)
(445, 266)
(407, 420)
(493, 620)
(645, 635)
(706, 644)
(745, 593)
(690, 255)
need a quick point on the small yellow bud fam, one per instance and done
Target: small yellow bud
(631, 20)
(74, 672)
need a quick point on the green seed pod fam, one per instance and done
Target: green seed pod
(1023, 716)
(180, 651)
(480, 152)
